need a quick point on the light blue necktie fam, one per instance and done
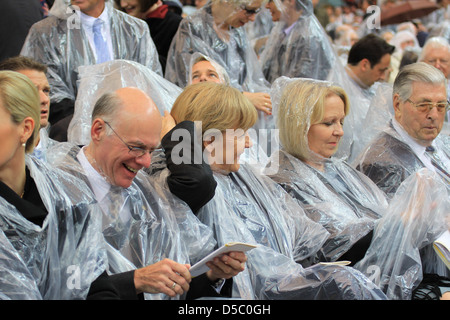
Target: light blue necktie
(101, 46)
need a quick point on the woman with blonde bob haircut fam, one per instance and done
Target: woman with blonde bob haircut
(225, 116)
(218, 106)
(295, 122)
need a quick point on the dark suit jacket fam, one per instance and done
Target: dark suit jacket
(388, 162)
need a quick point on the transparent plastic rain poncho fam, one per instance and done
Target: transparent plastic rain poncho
(60, 42)
(258, 31)
(62, 258)
(157, 225)
(251, 208)
(305, 52)
(45, 142)
(197, 33)
(388, 160)
(401, 249)
(349, 205)
(360, 98)
(379, 113)
(96, 80)
(340, 198)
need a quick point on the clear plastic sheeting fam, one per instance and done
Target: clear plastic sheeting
(297, 46)
(45, 142)
(341, 199)
(61, 259)
(202, 32)
(248, 207)
(258, 31)
(60, 42)
(379, 113)
(388, 161)
(145, 223)
(16, 281)
(96, 80)
(416, 217)
(360, 97)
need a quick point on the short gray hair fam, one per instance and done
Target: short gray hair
(107, 107)
(416, 72)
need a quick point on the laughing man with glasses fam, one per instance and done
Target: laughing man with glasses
(151, 235)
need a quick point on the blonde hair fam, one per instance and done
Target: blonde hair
(21, 99)
(301, 105)
(217, 106)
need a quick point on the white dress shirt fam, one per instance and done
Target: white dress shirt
(418, 149)
(101, 187)
(88, 22)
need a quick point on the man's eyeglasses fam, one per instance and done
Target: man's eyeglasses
(134, 151)
(250, 12)
(427, 106)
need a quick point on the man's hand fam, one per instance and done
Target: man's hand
(166, 276)
(226, 266)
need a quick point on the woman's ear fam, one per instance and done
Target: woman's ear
(27, 129)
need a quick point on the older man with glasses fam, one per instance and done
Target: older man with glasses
(152, 237)
(412, 140)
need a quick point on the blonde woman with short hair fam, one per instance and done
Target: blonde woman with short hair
(294, 123)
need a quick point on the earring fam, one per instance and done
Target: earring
(24, 144)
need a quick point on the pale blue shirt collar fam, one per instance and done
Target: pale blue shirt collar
(288, 30)
(88, 21)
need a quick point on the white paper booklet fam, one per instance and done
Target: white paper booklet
(201, 267)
